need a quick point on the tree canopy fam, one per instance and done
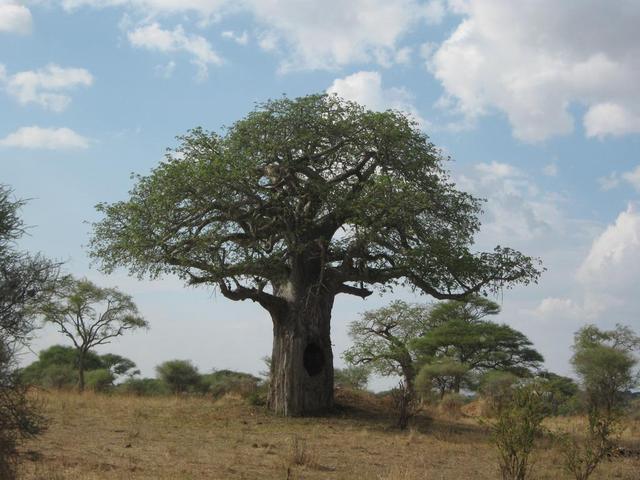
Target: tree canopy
(381, 338)
(362, 194)
(90, 316)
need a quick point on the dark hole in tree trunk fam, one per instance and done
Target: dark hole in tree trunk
(313, 359)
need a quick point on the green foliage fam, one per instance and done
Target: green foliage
(381, 338)
(497, 389)
(604, 363)
(517, 425)
(57, 367)
(472, 309)
(118, 365)
(262, 204)
(564, 393)
(221, 382)
(143, 387)
(100, 380)
(90, 316)
(180, 375)
(481, 345)
(355, 377)
(444, 375)
(56, 376)
(26, 281)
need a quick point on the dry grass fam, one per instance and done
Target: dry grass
(95, 437)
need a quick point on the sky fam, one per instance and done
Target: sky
(537, 102)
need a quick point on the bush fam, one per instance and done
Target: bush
(518, 423)
(180, 375)
(144, 387)
(221, 382)
(58, 376)
(99, 380)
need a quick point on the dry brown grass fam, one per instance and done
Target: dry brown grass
(95, 437)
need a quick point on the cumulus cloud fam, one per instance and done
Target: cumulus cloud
(14, 18)
(331, 34)
(307, 35)
(633, 178)
(612, 119)
(45, 138)
(366, 89)
(532, 60)
(516, 207)
(605, 283)
(614, 259)
(154, 37)
(47, 86)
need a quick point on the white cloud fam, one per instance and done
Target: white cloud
(153, 37)
(310, 34)
(609, 182)
(45, 138)
(633, 177)
(207, 9)
(614, 179)
(605, 290)
(333, 33)
(533, 59)
(495, 170)
(14, 18)
(516, 208)
(45, 86)
(239, 38)
(612, 119)
(366, 89)
(613, 263)
(552, 307)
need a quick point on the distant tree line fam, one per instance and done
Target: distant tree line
(57, 368)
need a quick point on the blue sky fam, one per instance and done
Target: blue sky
(536, 102)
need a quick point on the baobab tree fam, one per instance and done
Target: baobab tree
(298, 202)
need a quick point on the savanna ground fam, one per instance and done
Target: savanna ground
(95, 436)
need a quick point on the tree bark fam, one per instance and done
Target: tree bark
(302, 358)
(81, 372)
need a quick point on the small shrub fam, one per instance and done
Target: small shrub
(144, 387)
(180, 375)
(223, 382)
(99, 380)
(518, 423)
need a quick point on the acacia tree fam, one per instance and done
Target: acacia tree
(26, 281)
(604, 361)
(381, 339)
(296, 203)
(90, 316)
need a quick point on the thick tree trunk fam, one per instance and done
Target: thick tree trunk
(302, 359)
